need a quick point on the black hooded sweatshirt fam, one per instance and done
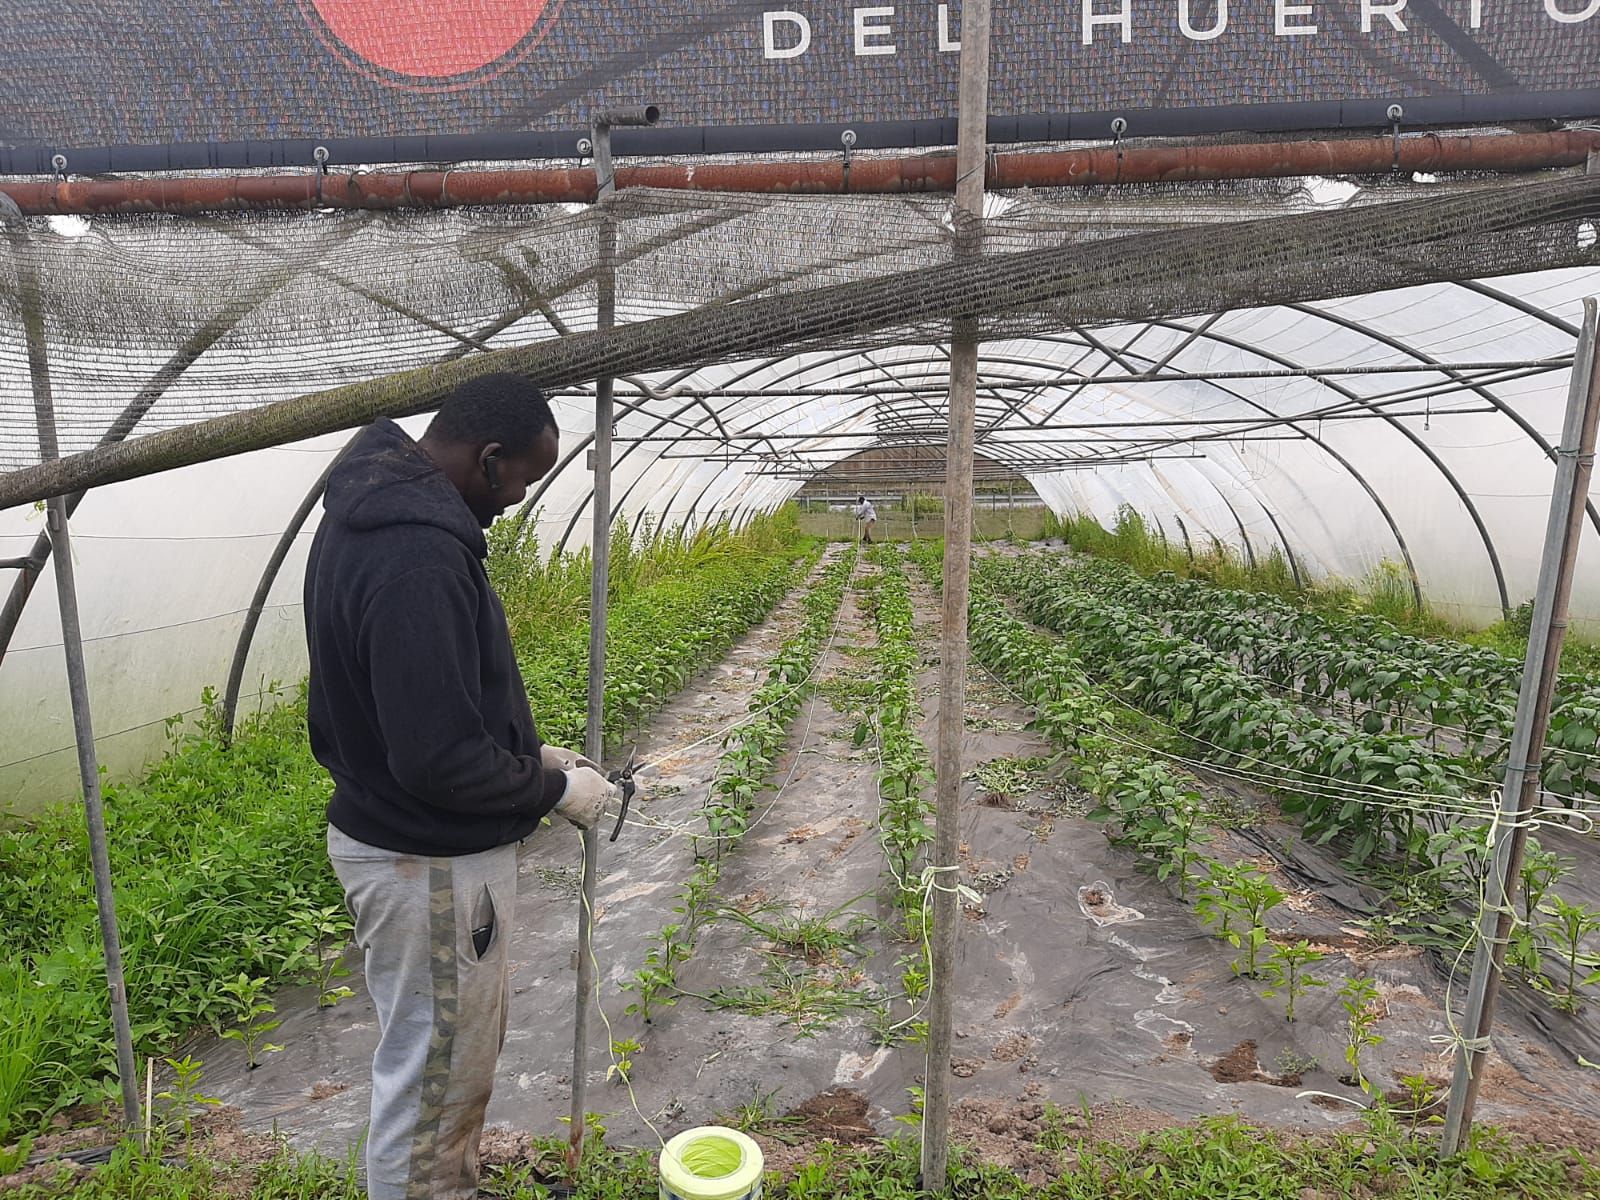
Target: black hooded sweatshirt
(417, 708)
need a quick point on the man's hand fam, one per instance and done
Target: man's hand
(584, 801)
(564, 760)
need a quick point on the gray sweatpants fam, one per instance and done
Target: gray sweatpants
(441, 1007)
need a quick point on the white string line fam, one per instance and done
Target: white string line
(1273, 779)
(1455, 1040)
(927, 880)
(928, 884)
(1445, 767)
(744, 719)
(1258, 779)
(1319, 786)
(611, 1037)
(1490, 810)
(1376, 794)
(1309, 780)
(1427, 724)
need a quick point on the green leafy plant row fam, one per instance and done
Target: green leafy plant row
(1237, 719)
(1387, 677)
(659, 637)
(748, 753)
(1151, 807)
(1069, 1158)
(904, 773)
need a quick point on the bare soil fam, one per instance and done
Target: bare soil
(838, 1114)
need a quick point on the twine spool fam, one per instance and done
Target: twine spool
(711, 1163)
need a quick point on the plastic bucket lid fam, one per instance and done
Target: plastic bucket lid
(711, 1163)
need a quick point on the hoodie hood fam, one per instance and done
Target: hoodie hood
(385, 478)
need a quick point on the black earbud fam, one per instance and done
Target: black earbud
(491, 471)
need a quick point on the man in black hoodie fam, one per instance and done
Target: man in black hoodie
(418, 711)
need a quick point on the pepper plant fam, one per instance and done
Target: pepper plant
(1286, 972)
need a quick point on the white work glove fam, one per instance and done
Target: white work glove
(584, 801)
(563, 760)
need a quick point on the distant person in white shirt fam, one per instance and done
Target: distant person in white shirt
(868, 516)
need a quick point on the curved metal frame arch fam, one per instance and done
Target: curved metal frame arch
(209, 333)
(1394, 528)
(1020, 464)
(1366, 486)
(1500, 405)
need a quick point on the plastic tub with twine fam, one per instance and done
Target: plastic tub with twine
(711, 1163)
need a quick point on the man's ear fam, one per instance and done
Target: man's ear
(488, 461)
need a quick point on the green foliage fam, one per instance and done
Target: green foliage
(1155, 809)
(823, 938)
(214, 879)
(659, 636)
(807, 998)
(1359, 998)
(1569, 925)
(759, 1116)
(905, 818)
(254, 1014)
(1011, 776)
(184, 1095)
(1219, 1158)
(1133, 542)
(622, 1053)
(1541, 871)
(1286, 972)
(1237, 900)
(1144, 635)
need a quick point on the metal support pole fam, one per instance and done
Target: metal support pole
(56, 521)
(1519, 794)
(258, 601)
(599, 585)
(970, 154)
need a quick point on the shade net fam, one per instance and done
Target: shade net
(240, 331)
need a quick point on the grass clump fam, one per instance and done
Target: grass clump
(1221, 1158)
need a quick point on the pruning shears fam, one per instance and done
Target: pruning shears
(623, 778)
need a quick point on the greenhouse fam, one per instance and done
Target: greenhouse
(1066, 561)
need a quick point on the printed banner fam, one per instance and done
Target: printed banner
(754, 74)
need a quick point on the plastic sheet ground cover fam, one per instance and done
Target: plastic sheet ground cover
(1080, 975)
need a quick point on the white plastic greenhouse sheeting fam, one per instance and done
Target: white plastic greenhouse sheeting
(168, 564)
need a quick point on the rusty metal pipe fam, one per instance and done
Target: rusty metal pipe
(376, 190)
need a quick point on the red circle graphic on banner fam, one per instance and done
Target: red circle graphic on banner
(432, 41)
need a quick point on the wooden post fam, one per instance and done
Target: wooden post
(1520, 792)
(970, 159)
(599, 591)
(58, 523)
